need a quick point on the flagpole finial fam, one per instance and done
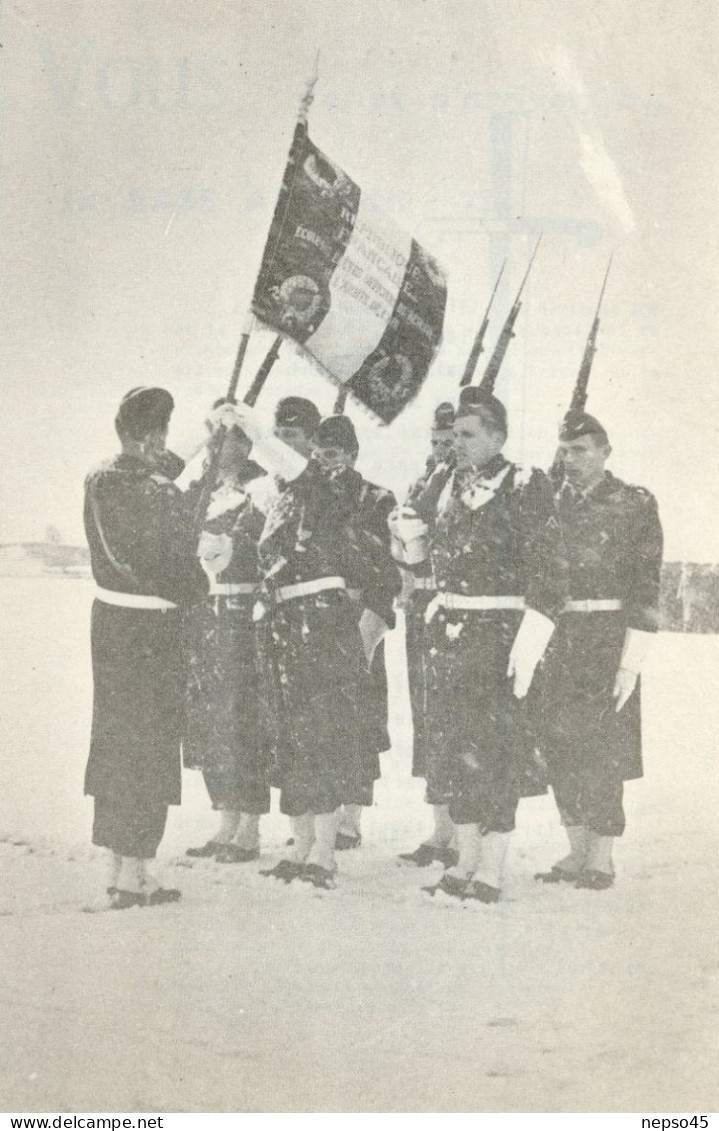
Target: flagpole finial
(309, 94)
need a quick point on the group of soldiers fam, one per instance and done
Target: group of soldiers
(241, 620)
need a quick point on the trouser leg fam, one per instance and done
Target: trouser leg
(591, 795)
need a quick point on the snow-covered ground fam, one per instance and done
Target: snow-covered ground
(250, 996)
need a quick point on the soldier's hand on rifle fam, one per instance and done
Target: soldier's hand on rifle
(624, 685)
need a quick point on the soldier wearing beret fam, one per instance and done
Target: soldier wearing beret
(420, 587)
(367, 507)
(497, 556)
(311, 652)
(592, 739)
(224, 735)
(296, 420)
(139, 529)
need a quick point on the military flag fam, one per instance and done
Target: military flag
(359, 295)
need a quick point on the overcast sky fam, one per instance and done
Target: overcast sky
(144, 143)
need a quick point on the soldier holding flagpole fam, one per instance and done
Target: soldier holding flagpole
(367, 507)
(224, 734)
(312, 652)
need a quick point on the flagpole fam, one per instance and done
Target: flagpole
(240, 358)
(250, 398)
(263, 372)
(252, 394)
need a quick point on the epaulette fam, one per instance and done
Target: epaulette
(635, 490)
(643, 493)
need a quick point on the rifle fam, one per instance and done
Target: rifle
(495, 361)
(579, 396)
(578, 402)
(478, 341)
(339, 405)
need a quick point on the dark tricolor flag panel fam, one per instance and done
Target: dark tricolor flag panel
(362, 297)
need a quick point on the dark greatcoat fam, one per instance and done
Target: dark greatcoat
(495, 533)
(140, 533)
(310, 648)
(614, 543)
(368, 507)
(224, 735)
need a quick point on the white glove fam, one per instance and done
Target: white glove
(635, 650)
(234, 416)
(408, 536)
(633, 658)
(214, 552)
(276, 456)
(271, 453)
(372, 630)
(624, 685)
(529, 646)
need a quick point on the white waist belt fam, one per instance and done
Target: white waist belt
(132, 600)
(600, 606)
(460, 601)
(231, 588)
(425, 583)
(307, 588)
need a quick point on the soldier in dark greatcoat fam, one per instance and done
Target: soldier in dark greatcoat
(367, 508)
(312, 656)
(592, 723)
(224, 735)
(142, 549)
(419, 588)
(497, 557)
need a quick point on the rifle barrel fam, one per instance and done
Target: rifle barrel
(477, 345)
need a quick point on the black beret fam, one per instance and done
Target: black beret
(473, 398)
(576, 424)
(337, 430)
(297, 412)
(443, 416)
(142, 410)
